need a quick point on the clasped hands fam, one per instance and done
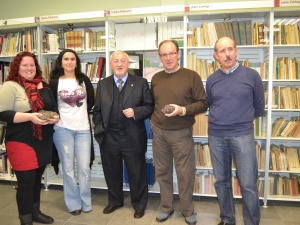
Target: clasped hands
(34, 117)
(177, 111)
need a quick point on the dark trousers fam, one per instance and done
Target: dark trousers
(29, 189)
(113, 149)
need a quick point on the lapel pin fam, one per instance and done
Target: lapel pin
(131, 85)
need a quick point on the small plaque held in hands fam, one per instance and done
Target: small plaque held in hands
(46, 114)
(168, 109)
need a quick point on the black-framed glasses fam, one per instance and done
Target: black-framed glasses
(165, 55)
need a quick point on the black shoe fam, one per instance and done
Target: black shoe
(76, 212)
(38, 216)
(109, 209)
(26, 219)
(139, 214)
(223, 223)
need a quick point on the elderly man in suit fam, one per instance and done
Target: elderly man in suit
(122, 103)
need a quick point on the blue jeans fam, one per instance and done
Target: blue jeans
(243, 150)
(73, 144)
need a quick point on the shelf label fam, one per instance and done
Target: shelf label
(145, 10)
(72, 16)
(229, 5)
(286, 3)
(48, 18)
(119, 12)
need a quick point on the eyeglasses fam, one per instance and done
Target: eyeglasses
(116, 61)
(171, 54)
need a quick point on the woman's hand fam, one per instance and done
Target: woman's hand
(53, 120)
(34, 117)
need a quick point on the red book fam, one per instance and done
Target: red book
(101, 64)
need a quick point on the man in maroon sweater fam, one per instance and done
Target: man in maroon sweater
(172, 132)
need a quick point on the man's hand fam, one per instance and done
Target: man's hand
(129, 113)
(177, 111)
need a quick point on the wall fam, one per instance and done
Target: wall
(26, 8)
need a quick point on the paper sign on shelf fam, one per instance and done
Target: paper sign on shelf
(48, 18)
(229, 5)
(72, 16)
(145, 10)
(286, 3)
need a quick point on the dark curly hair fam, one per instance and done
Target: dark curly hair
(15, 64)
(58, 71)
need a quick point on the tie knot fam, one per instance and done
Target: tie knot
(120, 81)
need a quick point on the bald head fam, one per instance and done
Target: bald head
(222, 39)
(225, 52)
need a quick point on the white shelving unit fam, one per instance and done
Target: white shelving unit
(193, 15)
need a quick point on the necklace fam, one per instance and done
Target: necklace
(173, 71)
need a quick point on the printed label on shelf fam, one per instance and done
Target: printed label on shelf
(286, 3)
(49, 18)
(145, 10)
(229, 5)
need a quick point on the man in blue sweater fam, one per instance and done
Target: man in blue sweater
(235, 97)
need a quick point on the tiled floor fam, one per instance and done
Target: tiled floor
(52, 203)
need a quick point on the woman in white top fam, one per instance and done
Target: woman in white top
(72, 137)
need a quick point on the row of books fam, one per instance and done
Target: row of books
(203, 156)
(242, 32)
(80, 41)
(282, 127)
(277, 185)
(200, 127)
(94, 70)
(280, 185)
(148, 128)
(286, 97)
(205, 69)
(284, 158)
(169, 30)
(204, 183)
(260, 126)
(150, 173)
(5, 167)
(2, 133)
(12, 43)
(286, 34)
(286, 68)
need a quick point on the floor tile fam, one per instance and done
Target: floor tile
(207, 209)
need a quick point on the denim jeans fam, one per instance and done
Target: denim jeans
(71, 145)
(243, 150)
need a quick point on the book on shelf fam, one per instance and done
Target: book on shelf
(100, 64)
(200, 126)
(150, 172)
(148, 128)
(248, 29)
(136, 36)
(136, 63)
(152, 64)
(12, 43)
(1, 43)
(242, 32)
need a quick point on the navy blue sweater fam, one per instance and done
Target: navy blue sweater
(234, 100)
